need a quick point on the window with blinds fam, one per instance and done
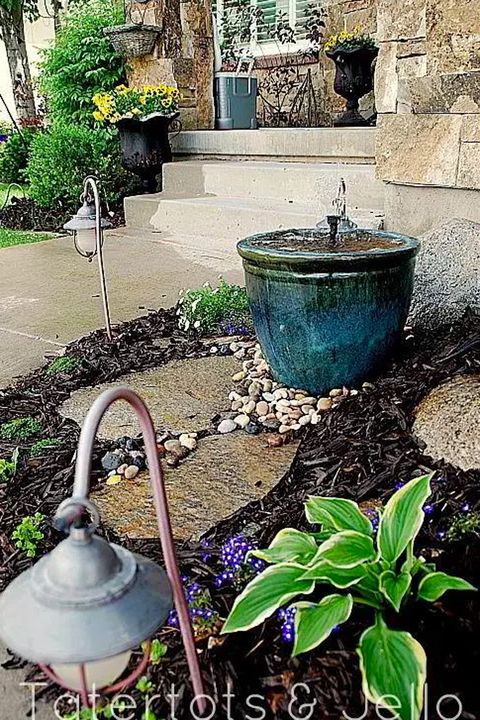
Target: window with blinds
(292, 12)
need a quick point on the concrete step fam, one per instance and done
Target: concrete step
(232, 218)
(314, 183)
(344, 145)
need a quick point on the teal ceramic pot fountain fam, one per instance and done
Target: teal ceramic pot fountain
(328, 315)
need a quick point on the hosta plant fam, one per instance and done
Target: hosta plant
(381, 572)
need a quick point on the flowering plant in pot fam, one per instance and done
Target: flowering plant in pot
(143, 117)
(353, 54)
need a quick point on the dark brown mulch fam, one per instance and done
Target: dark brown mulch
(26, 214)
(360, 450)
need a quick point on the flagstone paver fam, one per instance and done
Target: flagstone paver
(447, 421)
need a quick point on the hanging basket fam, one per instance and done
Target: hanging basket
(133, 40)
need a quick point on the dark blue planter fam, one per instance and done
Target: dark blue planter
(327, 319)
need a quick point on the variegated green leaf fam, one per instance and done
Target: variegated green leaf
(276, 586)
(394, 587)
(402, 518)
(393, 666)
(435, 584)
(337, 513)
(290, 545)
(315, 622)
(340, 577)
(346, 549)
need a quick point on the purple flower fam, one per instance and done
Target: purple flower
(287, 624)
(233, 557)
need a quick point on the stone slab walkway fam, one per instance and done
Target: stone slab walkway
(49, 295)
(223, 474)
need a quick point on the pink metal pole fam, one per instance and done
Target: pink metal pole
(81, 489)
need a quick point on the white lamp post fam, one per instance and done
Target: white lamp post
(81, 610)
(87, 228)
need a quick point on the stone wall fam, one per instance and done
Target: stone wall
(427, 89)
(183, 57)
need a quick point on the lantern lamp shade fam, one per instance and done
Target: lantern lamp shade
(85, 219)
(86, 601)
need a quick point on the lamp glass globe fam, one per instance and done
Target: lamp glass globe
(87, 241)
(99, 673)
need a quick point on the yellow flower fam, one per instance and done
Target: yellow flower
(136, 111)
(122, 89)
(99, 116)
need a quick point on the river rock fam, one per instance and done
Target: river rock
(226, 426)
(241, 420)
(262, 408)
(111, 461)
(131, 472)
(447, 273)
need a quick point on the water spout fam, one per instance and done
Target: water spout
(339, 204)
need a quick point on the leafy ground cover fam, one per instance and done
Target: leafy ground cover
(21, 237)
(363, 451)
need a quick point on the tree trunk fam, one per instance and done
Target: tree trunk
(12, 32)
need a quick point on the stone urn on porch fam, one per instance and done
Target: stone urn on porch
(353, 56)
(143, 117)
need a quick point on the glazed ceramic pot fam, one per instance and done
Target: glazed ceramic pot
(353, 80)
(328, 316)
(146, 146)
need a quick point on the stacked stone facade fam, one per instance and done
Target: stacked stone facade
(183, 57)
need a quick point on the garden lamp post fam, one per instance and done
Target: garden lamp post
(81, 610)
(87, 228)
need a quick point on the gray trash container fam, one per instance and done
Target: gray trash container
(235, 101)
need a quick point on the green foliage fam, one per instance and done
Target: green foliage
(144, 684)
(14, 155)
(28, 534)
(64, 364)
(61, 159)
(20, 429)
(463, 525)
(221, 309)
(43, 446)
(82, 62)
(381, 575)
(8, 468)
(158, 651)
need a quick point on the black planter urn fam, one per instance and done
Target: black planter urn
(353, 80)
(146, 146)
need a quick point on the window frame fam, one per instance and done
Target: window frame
(269, 47)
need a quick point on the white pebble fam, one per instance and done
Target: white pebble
(242, 420)
(304, 420)
(239, 376)
(336, 392)
(249, 407)
(121, 470)
(314, 418)
(226, 426)
(187, 442)
(283, 429)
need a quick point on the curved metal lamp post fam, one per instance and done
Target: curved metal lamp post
(87, 228)
(81, 610)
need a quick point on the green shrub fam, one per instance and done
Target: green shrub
(20, 429)
(221, 309)
(63, 156)
(14, 155)
(81, 62)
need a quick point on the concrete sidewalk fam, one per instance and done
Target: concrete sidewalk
(49, 295)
